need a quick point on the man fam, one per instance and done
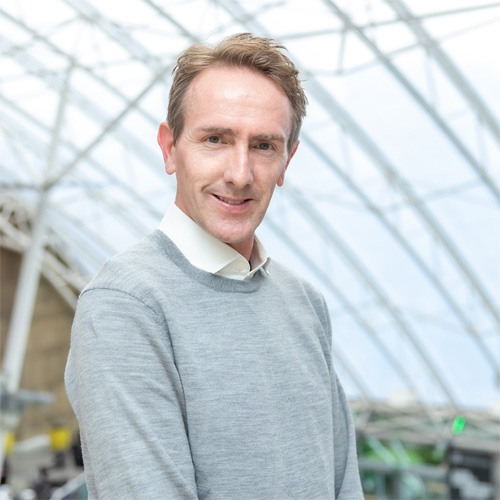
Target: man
(198, 369)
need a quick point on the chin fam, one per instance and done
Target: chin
(238, 242)
(233, 240)
(231, 235)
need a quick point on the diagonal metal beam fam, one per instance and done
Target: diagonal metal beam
(443, 291)
(115, 181)
(447, 65)
(388, 22)
(419, 98)
(85, 152)
(92, 15)
(166, 15)
(86, 105)
(394, 178)
(70, 60)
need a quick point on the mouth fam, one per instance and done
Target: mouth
(230, 202)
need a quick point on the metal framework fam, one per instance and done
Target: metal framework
(106, 185)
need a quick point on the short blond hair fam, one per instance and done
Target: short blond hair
(244, 50)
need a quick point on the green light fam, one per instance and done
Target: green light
(458, 425)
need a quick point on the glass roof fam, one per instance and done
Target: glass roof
(391, 205)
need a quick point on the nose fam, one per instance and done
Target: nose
(239, 171)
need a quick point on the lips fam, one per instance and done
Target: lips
(230, 202)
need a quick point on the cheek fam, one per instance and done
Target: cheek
(203, 163)
(268, 182)
(193, 180)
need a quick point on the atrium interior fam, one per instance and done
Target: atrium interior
(391, 208)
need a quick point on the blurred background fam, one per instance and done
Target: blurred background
(391, 207)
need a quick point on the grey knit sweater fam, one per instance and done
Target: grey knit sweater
(188, 385)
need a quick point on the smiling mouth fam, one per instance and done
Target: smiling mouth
(231, 202)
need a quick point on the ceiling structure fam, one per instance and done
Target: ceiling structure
(391, 205)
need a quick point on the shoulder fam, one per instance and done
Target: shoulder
(294, 285)
(137, 270)
(286, 278)
(303, 301)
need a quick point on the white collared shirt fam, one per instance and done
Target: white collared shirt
(206, 252)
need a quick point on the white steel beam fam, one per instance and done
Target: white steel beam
(447, 65)
(420, 99)
(29, 275)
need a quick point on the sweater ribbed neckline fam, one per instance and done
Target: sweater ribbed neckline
(219, 283)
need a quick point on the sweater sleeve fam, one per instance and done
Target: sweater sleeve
(124, 387)
(347, 480)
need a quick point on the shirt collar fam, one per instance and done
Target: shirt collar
(207, 252)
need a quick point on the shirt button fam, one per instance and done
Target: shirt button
(241, 265)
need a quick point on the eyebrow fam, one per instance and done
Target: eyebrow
(269, 137)
(217, 130)
(230, 132)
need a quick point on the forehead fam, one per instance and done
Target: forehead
(237, 93)
(220, 75)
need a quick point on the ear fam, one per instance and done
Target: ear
(281, 178)
(166, 142)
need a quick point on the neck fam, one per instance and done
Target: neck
(244, 249)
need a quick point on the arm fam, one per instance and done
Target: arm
(123, 384)
(347, 480)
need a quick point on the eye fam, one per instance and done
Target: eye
(214, 139)
(265, 146)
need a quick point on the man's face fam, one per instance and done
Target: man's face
(231, 153)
